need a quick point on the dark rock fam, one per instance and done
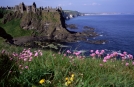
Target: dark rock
(88, 28)
(72, 26)
(10, 16)
(97, 41)
(6, 36)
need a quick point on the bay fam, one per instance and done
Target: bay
(118, 30)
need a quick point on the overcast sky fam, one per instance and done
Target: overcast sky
(87, 6)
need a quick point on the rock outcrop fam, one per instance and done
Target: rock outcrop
(46, 26)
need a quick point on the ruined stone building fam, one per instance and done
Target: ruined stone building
(32, 8)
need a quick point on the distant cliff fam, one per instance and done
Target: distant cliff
(71, 14)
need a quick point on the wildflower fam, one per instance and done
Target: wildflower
(36, 54)
(102, 51)
(66, 79)
(91, 51)
(97, 51)
(69, 82)
(42, 81)
(93, 54)
(25, 59)
(40, 53)
(68, 51)
(104, 60)
(53, 55)
(72, 79)
(127, 64)
(26, 67)
(101, 64)
(130, 56)
(66, 84)
(3, 51)
(11, 58)
(77, 53)
(20, 65)
(64, 54)
(132, 63)
(125, 53)
(72, 75)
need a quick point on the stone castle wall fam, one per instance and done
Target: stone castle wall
(32, 8)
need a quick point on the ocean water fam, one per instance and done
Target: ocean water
(118, 30)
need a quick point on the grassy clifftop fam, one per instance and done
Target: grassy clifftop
(18, 24)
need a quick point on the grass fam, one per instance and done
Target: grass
(54, 68)
(14, 29)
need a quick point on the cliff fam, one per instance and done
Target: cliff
(42, 25)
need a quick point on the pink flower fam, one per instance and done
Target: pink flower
(36, 54)
(102, 51)
(91, 51)
(125, 53)
(97, 51)
(108, 57)
(70, 57)
(20, 65)
(127, 64)
(64, 54)
(77, 53)
(40, 53)
(132, 63)
(130, 56)
(25, 59)
(26, 67)
(93, 54)
(53, 55)
(11, 58)
(101, 64)
(68, 51)
(122, 55)
(3, 51)
(104, 60)
(123, 58)
(115, 53)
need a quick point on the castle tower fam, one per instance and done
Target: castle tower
(22, 7)
(16, 8)
(34, 7)
(29, 9)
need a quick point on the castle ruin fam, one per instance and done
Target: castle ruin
(32, 8)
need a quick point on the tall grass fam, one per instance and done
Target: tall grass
(56, 69)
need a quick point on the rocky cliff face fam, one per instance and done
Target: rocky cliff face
(45, 26)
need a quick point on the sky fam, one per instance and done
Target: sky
(85, 6)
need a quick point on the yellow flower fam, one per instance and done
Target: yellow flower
(69, 82)
(66, 84)
(72, 75)
(42, 81)
(66, 79)
(72, 79)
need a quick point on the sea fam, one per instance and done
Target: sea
(118, 30)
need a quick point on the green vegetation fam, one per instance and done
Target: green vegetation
(3, 12)
(14, 29)
(25, 67)
(29, 66)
